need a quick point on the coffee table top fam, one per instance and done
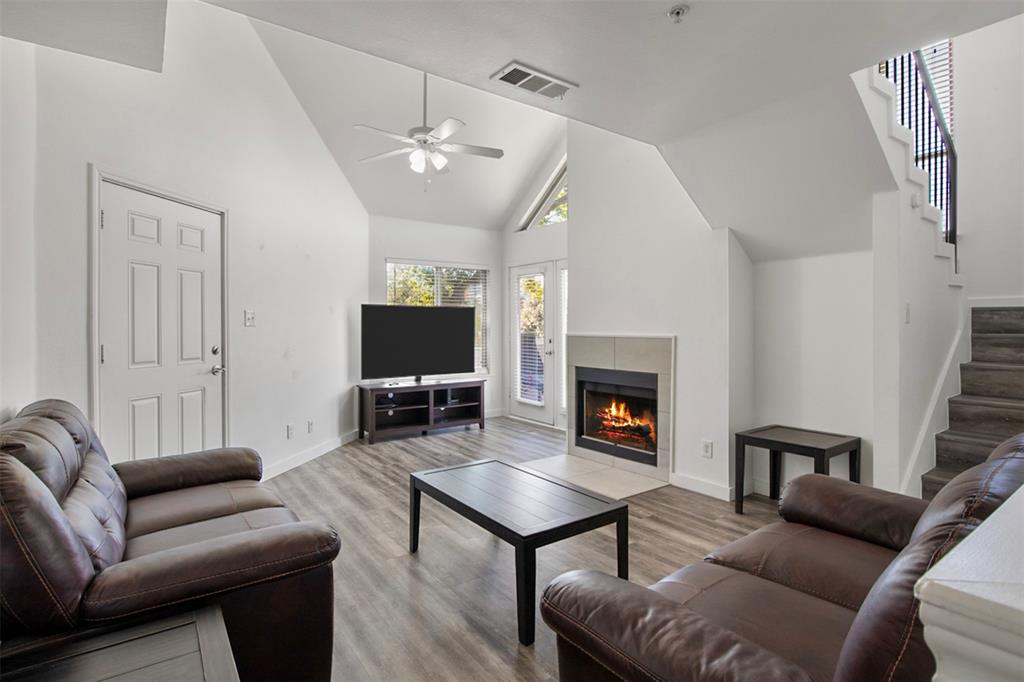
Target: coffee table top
(525, 502)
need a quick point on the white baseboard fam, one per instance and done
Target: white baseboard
(307, 455)
(496, 412)
(995, 301)
(702, 486)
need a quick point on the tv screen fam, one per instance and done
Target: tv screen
(408, 340)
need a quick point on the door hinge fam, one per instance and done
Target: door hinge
(103, 219)
(102, 354)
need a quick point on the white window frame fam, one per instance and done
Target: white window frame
(542, 204)
(480, 371)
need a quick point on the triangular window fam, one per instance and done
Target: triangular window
(553, 206)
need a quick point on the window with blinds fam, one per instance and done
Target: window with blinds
(430, 284)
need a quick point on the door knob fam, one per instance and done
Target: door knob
(218, 369)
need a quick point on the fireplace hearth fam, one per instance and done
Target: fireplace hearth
(617, 413)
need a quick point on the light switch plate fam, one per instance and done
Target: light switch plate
(289, 431)
(250, 318)
(707, 449)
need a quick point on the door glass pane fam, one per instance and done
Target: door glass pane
(530, 316)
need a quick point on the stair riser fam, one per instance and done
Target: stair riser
(992, 320)
(929, 489)
(1009, 349)
(999, 421)
(993, 383)
(959, 454)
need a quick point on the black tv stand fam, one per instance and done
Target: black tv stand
(403, 408)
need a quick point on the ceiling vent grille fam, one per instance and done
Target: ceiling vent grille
(530, 79)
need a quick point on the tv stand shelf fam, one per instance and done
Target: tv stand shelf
(403, 408)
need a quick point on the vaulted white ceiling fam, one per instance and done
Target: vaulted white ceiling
(640, 75)
(126, 31)
(339, 87)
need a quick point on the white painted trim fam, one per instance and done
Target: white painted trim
(494, 412)
(702, 486)
(308, 455)
(625, 335)
(937, 411)
(534, 422)
(995, 301)
(97, 176)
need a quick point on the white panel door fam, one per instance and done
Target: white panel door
(159, 319)
(533, 327)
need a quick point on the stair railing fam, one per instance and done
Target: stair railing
(920, 110)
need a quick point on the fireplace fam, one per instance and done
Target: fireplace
(617, 413)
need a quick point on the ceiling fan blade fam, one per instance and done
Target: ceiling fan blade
(385, 133)
(387, 155)
(455, 148)
(448, 127)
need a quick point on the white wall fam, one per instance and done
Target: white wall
(402, 239)
(989, 137)
(219, 124)
(742, 400)
(17, 222)
(643, 261)
(813, 358)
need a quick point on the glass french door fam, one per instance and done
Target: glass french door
(536, 343)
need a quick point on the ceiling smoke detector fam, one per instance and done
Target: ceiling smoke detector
(678, 12)
(530, 79)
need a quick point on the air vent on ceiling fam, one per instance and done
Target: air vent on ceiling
(530, 79)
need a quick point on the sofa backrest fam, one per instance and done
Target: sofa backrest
(886, 640)
(63, 516)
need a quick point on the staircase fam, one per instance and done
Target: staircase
(990, 407)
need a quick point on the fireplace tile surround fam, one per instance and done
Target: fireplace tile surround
(651, 354)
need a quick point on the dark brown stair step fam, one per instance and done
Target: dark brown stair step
(997, 320)
(1000, 347)
(992, 416)
(960, 449)
(995, 380)
(933, 481)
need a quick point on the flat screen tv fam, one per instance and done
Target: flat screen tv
(409, 340)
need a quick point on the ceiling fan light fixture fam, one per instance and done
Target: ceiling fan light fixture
(418, 160)
(439, 160)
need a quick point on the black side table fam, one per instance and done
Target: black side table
(779, 439)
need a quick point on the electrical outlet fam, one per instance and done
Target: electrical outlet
(309, 426)
(707, 449)
(289, 431)
(250, 318)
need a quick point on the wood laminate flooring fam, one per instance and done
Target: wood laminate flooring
(449, 612)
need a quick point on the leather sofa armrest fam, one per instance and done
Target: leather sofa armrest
(850, 509)
(161, 474)
(637, 634)
(206, 568)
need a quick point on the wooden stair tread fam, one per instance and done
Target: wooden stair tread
(985, 401)
(994, 366)
(970, 438)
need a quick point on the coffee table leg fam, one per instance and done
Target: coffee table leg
(526, 589)
(414, 518)
(774, 473)
(622, 537)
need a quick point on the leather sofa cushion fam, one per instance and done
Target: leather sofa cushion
(980, 490)
(179, 507)
(199, 531)
(45, 568)
(799, 627)
(817, 562)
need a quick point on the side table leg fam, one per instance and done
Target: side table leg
(855, 465)
(414, 518)
(526, 589)
(622, 539)
(821, 464)
(774, 473)
(739, 463)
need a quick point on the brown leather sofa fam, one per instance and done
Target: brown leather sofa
(85, 544)
(827, 593)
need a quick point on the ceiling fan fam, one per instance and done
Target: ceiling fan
(426, 147)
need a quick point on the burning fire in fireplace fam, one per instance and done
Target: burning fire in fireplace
(615, 422)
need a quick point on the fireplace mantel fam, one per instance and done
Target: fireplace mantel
(654, 354)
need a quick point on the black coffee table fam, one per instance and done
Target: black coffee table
(525, 509)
